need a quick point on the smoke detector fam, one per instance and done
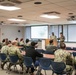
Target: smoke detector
(9, 2)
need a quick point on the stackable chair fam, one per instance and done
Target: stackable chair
(74, 48)
(3, 58)
(58, 68)
(28, 62)
(49, 52)
(68, 48)
(74, 54)
(40, 50)
(13, 60)
(44, 63)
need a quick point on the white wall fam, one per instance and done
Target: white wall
(11, 32)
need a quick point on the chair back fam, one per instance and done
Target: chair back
(49, 52)
(68, 48)
(74, 54)
(74, 48)
(13, 58)
(3, 56)
(45, 63)
(40, 50)
(28, 61)
(58, 67)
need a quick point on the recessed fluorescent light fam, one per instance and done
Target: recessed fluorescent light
(9, 8)
(19, 20)
(50, 16)
(72, 21)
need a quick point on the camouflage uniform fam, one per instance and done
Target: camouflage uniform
(28, 44)
(3, 43)
(14, 50)
(21, 43)
(75, 64)
(62, 39)
(5, 49)
(61, 56)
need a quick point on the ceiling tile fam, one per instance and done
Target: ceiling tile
(67, 3)
(55, 1)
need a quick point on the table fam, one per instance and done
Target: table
(52, 56)
(71, 51)
(48, 56)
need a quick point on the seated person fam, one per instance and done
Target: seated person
(61, 55)
(17, 40)
(21, 43)
(51, 47)
(3, 42)
(5, 50)
(14, 50)
(28, 43)
(75, 64)
(31, 52)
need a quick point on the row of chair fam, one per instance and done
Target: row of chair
(71, 48)
(47, 64)
(13, 59)
(44, 63)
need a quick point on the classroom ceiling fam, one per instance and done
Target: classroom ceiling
(65, 9)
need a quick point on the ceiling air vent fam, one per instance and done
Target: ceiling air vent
(37, 3)
(71, 18)
(52, 12)
(14, 23)
(9, 2)
(15, 1)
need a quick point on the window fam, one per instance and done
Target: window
(54, 29)
(65, 33)
(72, 33)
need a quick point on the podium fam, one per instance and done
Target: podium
(47, 42)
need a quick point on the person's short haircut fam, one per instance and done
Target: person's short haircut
(51, 41)
(14, 42)
(16, 39)
(52, 33)
(7, 43)
(62, 45)
(33, 43)
(21, 39)
(3, 40)
(27, 40)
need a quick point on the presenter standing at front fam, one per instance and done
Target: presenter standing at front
(61, 38)
(54, 38)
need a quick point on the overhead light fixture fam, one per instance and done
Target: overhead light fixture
(49, 16)
(9, 8)
(19, 20)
